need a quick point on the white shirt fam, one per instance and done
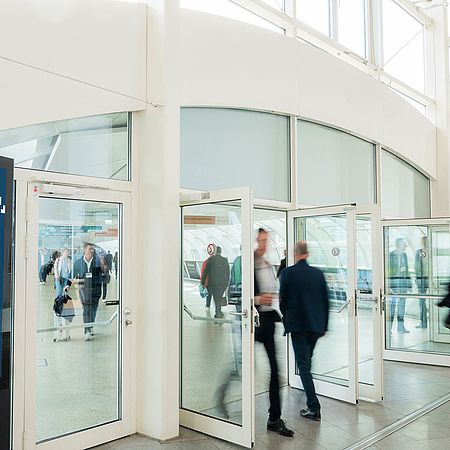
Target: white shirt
(266, 279)
(88, 263)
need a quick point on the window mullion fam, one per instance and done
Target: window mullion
(334, 14)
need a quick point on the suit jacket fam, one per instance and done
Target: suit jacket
(92, 287)
(399, 277)
(304, 299)
(217, 271)
(282, 267)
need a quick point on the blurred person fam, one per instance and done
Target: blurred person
(205, 284)
(87, 275)
(109, 261)
(446, 302)
(62, 270)
(217, 271)
(304, 304)
(282, 265)
(116, 263)
(42, 260)
(399, 281)
(265, 286)
(421, 267)
(106, 277)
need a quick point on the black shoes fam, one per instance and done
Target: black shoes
(308, 414)
(279, 426)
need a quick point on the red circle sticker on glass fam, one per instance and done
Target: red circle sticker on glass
(211, 249)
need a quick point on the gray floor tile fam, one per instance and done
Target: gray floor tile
(437, 444)
(135, 441)
(188, 435)
(298, 442)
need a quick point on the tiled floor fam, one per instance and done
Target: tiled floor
(408, 387)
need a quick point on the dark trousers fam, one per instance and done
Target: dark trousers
(208, 297)
(304, 344)
(90, 306)
(265, 334)
(104, 290)
(217, 295)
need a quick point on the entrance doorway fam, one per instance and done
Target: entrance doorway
(78, 360)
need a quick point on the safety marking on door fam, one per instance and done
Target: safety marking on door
(211, 249)
(335, 251)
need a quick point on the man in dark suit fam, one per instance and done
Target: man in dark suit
(282, 265)
(399, 282)
(304, 305)
(87, 272)
(265, 286)
(217, 271)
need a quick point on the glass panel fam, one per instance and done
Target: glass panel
(274, 222)
(365, 298)
(403, 45)
(408, 199)
(228, 9)
(352, 25)
(315, 13)
(78, 342)
(220, 149)
(417, 261)
(211, 341)
(344, 161)
(93, 146)
(327, 247)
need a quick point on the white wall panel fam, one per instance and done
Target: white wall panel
(99, 42)
(232, 64)
(29, 96)
(228, 63)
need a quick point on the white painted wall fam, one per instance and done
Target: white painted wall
(231, 64)
(70, 58)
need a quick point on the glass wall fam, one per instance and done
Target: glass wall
(417, 275)
(224, 148)
(96, 146)
(403, 45)
(316, 14)
(78, 371)
(405, 192)
(333, 167)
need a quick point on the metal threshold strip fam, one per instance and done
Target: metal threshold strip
(390, 429)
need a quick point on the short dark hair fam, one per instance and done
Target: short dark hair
(261, 230)
(86, 244)
(219, 250)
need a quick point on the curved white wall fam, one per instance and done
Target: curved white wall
(232, 64)
(70, 58)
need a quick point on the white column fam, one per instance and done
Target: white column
(440, 189)
(157, 212)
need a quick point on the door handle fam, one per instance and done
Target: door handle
(128, 322)
(244, 313)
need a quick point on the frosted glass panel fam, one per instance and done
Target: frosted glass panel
(225, 148)
(333, 167)
(95, 146)
(405, 192)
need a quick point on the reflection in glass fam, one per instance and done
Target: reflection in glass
(327, 247)
(78, 345)
(211, 363)
(417, 273)
(64, 146)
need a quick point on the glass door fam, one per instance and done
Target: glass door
(331, 236)
(216, 316)
(370, 309)
(78, 317)
(416, 278)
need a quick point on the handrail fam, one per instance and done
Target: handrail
(205, 319)
(81, 325)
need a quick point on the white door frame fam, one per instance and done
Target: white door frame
(346, 393)
(242, 435)
(28, 192)
(375, 391)
(411, 356)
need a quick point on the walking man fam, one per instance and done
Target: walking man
(304, 305)
(265, 287)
